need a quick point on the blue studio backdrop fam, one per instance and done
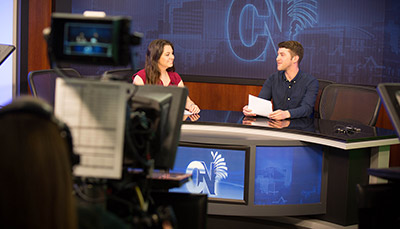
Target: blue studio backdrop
(345, 41)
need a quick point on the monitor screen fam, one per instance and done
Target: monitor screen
(390, 95)
(85, 39)
(218, 171)
(288, 175)
(82, 39)
(171, 102)
(5, 51)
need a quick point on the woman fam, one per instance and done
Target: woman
(159, 69)
(35, 168)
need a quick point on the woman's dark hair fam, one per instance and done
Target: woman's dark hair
(154, 52)
(35, 172)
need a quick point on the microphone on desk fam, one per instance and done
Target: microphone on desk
(347, 130)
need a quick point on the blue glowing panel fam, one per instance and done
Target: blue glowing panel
(218, 172)
(6, 37)
(288, 175)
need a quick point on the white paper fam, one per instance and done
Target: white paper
(260, 106)
(186, 112)
(95, 112)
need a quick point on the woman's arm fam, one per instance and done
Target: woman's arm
(190, 105)
(138, 80)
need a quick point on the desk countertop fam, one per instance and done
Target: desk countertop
(337, 134)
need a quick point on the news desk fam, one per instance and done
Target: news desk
(300, 167)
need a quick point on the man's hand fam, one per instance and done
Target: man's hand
(278, 124)
(247, 111)
(279, 115)
(248, 120)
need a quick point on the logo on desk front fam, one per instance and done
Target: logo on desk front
(205, 179)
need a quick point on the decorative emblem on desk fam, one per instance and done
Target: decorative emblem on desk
(205, 180)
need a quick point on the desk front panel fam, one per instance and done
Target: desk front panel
(260, 178)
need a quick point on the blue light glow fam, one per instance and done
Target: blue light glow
(288, 175)
(6, 37)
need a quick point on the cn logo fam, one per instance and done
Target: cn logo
(255, 25)
(205, 180)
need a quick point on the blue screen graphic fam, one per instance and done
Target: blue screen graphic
(88, 39)
(288, 175)
(344, 41)
(220, 173)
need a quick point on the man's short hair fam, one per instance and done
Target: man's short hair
(295, 48)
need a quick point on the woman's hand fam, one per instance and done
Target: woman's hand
(193, 108)
(194, 117)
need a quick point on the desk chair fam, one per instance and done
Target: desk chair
(350, 103)
(321, 86)
(43, 82)
(124, 74)
(378, 205)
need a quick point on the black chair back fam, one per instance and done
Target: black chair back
(119, 74)
(321, 86)
(43, 82)
(350, 103)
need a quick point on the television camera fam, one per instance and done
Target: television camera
(153, 117)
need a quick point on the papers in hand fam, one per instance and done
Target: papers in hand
(260, 106)
(186, 112)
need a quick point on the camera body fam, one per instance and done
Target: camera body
(75, 38)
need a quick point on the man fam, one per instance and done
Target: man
(292, 91)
